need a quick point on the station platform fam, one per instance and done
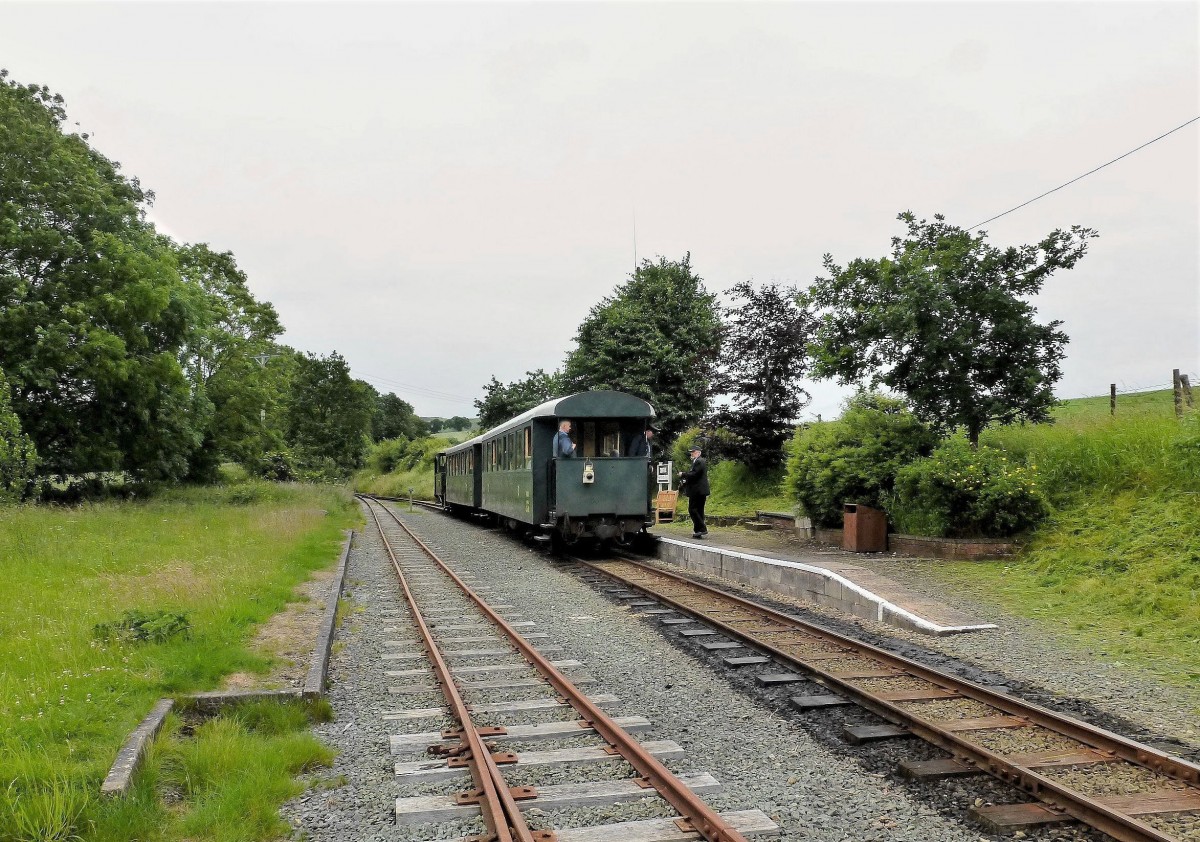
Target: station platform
(827, 578)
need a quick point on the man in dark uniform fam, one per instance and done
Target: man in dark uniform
(694, 483)
(640, 446)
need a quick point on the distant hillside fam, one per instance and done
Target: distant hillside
(455, 436)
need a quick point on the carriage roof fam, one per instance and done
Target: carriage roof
(597, 404)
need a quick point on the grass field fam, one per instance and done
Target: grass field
(214, 562)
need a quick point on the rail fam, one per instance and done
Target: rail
(696, 814)
(817, 651)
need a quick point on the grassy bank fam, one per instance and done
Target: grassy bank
(1118, 563)
(397, 466)
(199, 568)
(397, 483)
(736, 491)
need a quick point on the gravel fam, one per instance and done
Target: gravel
(794, 768)
(1024, 740)
(942, 709)
(1114, 779)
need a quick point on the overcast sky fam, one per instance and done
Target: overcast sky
(440, 192)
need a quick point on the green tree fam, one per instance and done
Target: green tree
(763, 360)
(93, 315)
(251, 394)
(18, 456)
(226, 354)
(502, 401)
(395, 418)
(329, 415)
(944, 322)
(458, 422)
(658, 336)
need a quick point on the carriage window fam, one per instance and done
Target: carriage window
(528, 446)
(610, 438)
(587, 439)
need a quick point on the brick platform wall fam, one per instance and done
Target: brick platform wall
(962, 549)
(956, 549)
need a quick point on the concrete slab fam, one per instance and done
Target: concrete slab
(437, 808)
(715, 645)
(832, 582)
(828, 700)
(748, 661)
(525, 733)
(752, 824)
(779, 678)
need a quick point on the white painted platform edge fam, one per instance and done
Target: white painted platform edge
(883, 604)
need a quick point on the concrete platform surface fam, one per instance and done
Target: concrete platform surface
(822, 579)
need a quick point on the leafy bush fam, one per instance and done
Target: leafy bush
(274, 465)
(855, 458)
(18, 457)
(400, 454)
(145, 627)
(717, 445)
(408, 464)
(959, 492)
(315, 468)
(386, 454)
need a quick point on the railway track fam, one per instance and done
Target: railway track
(475, 706)
(1132, 792)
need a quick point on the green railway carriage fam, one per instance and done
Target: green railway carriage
(455, 482)
(510, 470)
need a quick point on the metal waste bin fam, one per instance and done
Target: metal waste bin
(864, 529)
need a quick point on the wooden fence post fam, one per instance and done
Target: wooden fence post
(1186, 383)
(1178, 388)
(1112, 398)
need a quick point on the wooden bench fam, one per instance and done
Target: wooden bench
(664, 506)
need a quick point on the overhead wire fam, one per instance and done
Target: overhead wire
(421, 391)
(1085, 175)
